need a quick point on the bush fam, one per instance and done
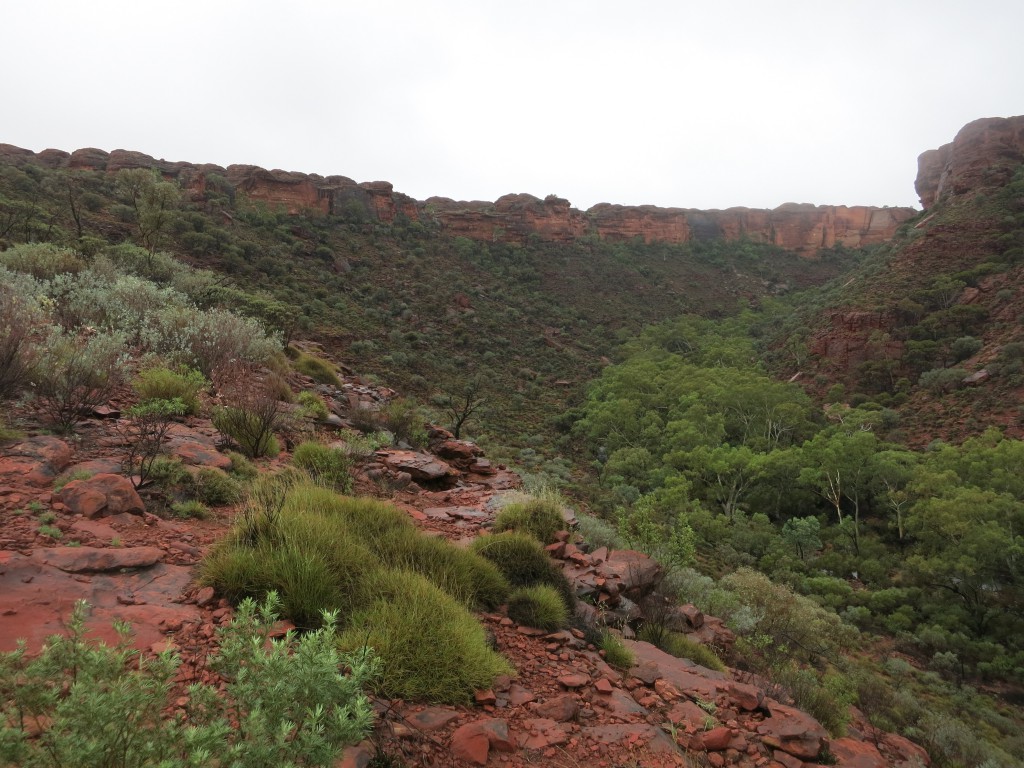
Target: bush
(327, 466)
(169, 472)
(191, 509)
(164, 384)
(431, 647)
(523, 561)
(251, 426)
(19, 316)
(599, 533)
(312, 406)
(216, 488)
(540, 606)
(241, 467)
(284, 702)
(402, 418)
(42, 260)
(539, 517)
(74, 375)
(318, 369)
(144, 432)
(615, 651)
(942, 380)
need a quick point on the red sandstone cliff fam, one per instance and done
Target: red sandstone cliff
(512, 218)
(984, 155)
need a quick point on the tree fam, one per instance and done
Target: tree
(153, 201)
(459, 406)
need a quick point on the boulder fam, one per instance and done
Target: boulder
(422, 466)
(850, 753)
(94, 559)
(34, 461)
(472, 742)
(792, 731)
(103, 494)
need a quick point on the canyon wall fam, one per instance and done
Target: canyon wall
(984, 155)
(513, 218)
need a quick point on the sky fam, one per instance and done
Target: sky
(707, 104)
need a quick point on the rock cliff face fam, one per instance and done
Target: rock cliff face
(512, 218)
(984, 155)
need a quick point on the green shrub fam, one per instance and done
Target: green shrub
(241, 467)
(251, 427)
(189, 510)
(827, 700)
(682, 647)
(312, 406)
(42, 260)
(318, 369)
(74, 375)
(402, 418)
(313, 561)
(599, 533)
(143, 434)
(327, 466)
(431, 648)
(169, 473)
(540, 517)
(523, 561)
(615, 651)
(216, 488)
(284, 702)
(539, 606)
(20, 315)
(164, 384)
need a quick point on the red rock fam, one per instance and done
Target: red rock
(604, 686)
(687, 713)
(715, 740)
(571, 681)
(787, 761)
(792, 731)
(357, 756)
(693, 615)
(432, 718)
(473, 741)
(541, 733)
(518, 696)
(105, 493)
(984, 155)
(910, 753)
(747, 697)
(204, 596)
(200, 455)
(421, 466)
(485, 697)
(636, 572)
(850, 753)
(91, 559)
(561, 709)
(470, 744)
(654, 739)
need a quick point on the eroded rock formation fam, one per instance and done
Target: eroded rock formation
(512, 218)
(984, 155)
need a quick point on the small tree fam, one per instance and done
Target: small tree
(461, 405)
(148, 424)
(252, 416)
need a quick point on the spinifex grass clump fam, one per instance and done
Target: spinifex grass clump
(395, 589)
(540, 606)
(541, 517)
(523, 561)
(431, 647)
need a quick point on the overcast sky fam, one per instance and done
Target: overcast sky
(705, 104)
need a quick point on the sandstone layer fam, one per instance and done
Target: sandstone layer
(984, 155)
(514, 218)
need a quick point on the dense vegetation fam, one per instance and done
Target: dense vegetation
(694, 442)
(853, 569)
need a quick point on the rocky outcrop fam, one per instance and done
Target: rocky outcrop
(515, 218)
(984, 155)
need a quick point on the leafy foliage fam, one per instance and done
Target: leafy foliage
(284, 701)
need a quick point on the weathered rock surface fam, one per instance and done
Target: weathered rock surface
(985, 154)
(103, 494)
(93, 559)
(34, 461)
(511, 218)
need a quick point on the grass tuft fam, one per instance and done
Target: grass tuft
(539, 606)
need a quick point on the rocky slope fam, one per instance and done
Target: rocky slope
(512, 218)
(565, 705)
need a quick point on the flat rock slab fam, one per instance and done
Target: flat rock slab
(422, 466)
(97, 559)
(35, 461)
(641, 736)
(36, 599)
